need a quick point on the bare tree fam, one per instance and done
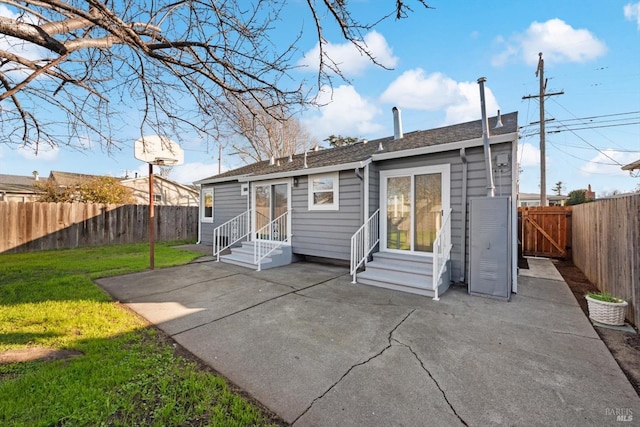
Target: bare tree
(266, 132)
(75, 72)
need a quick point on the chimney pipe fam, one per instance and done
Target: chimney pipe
(485, 139)
(397, 124)
(36, 176)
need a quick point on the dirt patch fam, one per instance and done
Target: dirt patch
(36, 353)
(624, 346)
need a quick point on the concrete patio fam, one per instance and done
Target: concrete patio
(320, 351)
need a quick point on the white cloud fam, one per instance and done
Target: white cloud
(632, 13)
(529, 155)
(558, 41)
(349, 60)
(605, 163)
(344, 112)
(194, 171)
(416, 90)
(47, 154)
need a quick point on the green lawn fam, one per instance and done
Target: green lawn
(127, 373)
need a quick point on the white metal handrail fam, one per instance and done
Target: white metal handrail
(363, 242)
(234, 230)
(271, 237)
(441, 251)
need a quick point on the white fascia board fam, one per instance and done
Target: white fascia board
(215, 180)
(309, 171)
(476, 142)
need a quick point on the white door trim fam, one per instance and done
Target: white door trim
(255, 184)
(443, 169)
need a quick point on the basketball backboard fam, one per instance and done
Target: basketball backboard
(158, 150)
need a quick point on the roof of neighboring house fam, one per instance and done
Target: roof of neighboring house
(632, 166)
(19, 184)
(536, 196)
(363, 151)
(188, 188)
(66, 179)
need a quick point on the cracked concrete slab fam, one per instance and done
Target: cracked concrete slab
(318, 350)
(499, 372)
(362, 398)
(289, 351)
(131, 286)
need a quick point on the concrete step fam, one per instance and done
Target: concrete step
(403, 259)
(403, 272)
(367, 278)
(243, 260)
(243, 256)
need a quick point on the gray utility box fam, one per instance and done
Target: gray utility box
(490, 241)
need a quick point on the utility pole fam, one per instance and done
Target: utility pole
(543, 159)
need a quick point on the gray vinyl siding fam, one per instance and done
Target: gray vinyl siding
(227, 203)
(327, 234)
(374, 188)
(476, 187)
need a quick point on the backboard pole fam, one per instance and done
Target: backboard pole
(151, 219)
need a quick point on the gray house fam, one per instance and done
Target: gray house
(396, 209)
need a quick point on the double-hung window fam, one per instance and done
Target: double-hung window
(324, 192)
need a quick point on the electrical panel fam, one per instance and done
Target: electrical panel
(490, 241)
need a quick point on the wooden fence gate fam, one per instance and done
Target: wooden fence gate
(545, 231)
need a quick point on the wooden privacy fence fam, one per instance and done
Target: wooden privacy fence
(606, 247)
(545, 231)
(34, 226)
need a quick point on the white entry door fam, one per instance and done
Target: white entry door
(412, 202)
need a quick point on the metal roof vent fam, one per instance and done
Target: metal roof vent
(272, 161)
(498, 121)
(397, 124)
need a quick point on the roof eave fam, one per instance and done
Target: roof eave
(308, 171)
(498, 139)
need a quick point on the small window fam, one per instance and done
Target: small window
(207, 205)
(324, 192)
(157, 198)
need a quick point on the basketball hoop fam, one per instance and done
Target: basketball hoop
(159, 151)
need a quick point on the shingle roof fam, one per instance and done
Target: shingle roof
(363, 151)
(18, 184)
(67, 179)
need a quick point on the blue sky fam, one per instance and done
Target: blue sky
(591, 51)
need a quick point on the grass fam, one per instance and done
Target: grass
(603, 296)
(128, 373)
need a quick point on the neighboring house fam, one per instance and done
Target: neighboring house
(165, 191)
(533, 199)
(631, 167)
(69, 179)
(17, 188)
(406, 189)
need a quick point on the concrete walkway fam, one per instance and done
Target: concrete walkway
(320, 351)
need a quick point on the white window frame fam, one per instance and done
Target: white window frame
(444, 170)
(336, 192)
(204, 193)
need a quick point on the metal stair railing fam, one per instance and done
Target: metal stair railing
(363, 241)
(271, 237)
(441, 252)
(234, 230)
